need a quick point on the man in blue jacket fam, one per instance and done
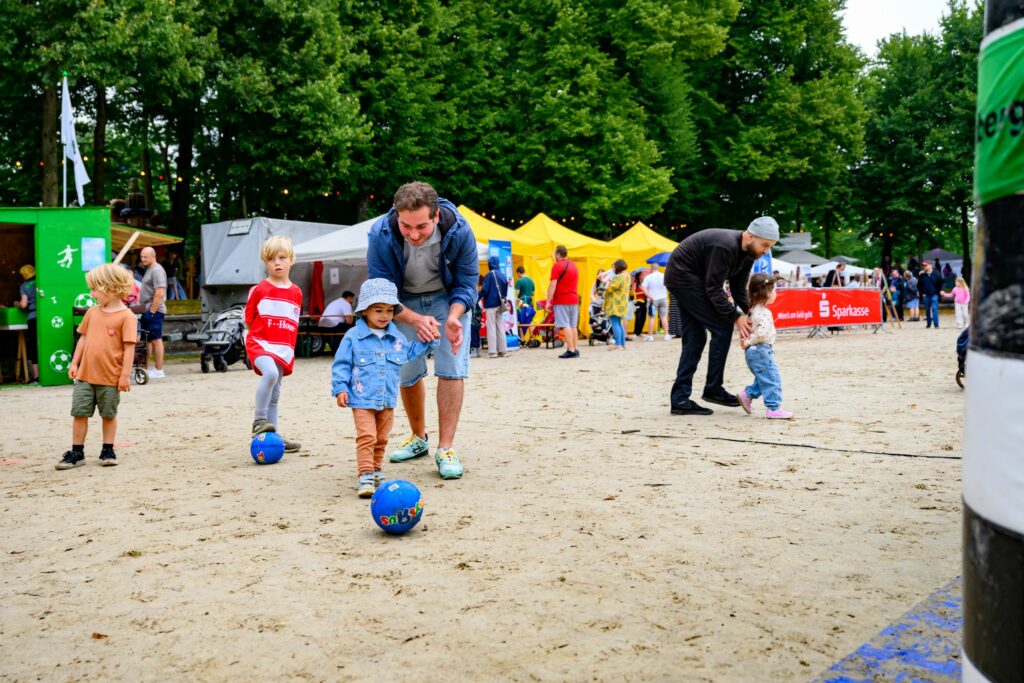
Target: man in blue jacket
(428, 250)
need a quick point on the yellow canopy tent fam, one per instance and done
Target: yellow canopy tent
(640, 243)
(589, 255)
(484, 230)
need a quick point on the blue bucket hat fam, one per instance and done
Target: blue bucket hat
(378, 291)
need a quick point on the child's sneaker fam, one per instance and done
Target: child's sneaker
(290, 446)
(413, 447)
(366, 485)
(262, 425)
(745, 401)
(70, 459)
(378, 478)
(448, 464)
(108, 458)
(668, 337)
(778, 414)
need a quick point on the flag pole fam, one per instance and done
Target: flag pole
(65, 164)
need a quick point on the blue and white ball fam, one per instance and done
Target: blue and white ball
(267, 448)
(396, 506)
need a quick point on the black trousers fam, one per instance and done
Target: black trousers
(639, 317)
(698, 317)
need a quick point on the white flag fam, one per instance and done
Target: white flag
(70, 141)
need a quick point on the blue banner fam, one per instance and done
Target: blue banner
(763, 265)
(503, 250)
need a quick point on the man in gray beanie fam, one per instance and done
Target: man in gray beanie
(695, 276)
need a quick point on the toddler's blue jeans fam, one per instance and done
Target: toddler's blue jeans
(767, 380)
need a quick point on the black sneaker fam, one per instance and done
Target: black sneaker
(570, 354)
(70, 459)
(108, 458)
(723, 398)
(690, 408)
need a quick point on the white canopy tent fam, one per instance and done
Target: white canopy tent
(822, 270)
(343, 253)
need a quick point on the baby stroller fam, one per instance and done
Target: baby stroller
(961, 357)
(540, 332)
(223, 339)
(600, 325)
(140, 363)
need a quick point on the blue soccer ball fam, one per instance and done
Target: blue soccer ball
(267, 448)
(396, 506)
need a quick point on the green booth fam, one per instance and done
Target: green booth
(63, 244)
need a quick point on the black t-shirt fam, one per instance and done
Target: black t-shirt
(171, 268)
(706, 260)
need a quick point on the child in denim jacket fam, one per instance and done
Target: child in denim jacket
(365, 374)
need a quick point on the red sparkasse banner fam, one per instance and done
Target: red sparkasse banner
(806, 307)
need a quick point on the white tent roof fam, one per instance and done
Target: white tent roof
(347, 244)
(822, 270)
(785, 268)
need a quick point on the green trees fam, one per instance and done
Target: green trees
(704, 113)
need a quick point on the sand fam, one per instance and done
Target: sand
(690, 549)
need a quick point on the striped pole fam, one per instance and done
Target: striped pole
(993, 528)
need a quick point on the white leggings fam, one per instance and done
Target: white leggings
(268, 393)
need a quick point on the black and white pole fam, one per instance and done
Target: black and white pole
(993, 529)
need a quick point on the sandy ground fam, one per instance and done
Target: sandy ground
(687, 551)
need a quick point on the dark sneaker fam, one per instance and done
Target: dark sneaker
(108, 458)
(71, 459)
(262, 425)
(723, 398)
(290, 446)
(570, 354)
(690, 408)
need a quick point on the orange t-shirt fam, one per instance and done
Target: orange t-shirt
(105, 335)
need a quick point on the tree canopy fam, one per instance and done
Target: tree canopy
(685, 114)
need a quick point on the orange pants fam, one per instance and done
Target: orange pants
(372, 429)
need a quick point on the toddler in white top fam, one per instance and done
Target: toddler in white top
(758, 350)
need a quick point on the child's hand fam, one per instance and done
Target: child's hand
(73, 371)
(124, 383)
(343, 399)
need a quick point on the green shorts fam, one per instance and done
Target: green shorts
(87, 397)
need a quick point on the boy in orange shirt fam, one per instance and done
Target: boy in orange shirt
(102, 362)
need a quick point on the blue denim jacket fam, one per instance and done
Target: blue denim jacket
(367, 366)
(459, 260)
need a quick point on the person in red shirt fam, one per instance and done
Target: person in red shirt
(272, 316)
(564, 299)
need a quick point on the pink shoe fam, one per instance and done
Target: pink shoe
(744, 400)
(778, 414)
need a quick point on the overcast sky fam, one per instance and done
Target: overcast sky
(868, 21)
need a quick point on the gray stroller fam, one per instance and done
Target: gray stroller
(222, 339)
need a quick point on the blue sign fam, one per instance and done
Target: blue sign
(763, 265)
(503, 250)
(94, 252)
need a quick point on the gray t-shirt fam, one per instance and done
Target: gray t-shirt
(422, 274)
(28, 289)
(154, 278)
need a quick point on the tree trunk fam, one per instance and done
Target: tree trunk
(185, 132)
(828, 233)
(99, 148)
(965, 242)
(168, 176)
(50, 157)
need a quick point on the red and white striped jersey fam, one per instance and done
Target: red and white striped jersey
(272, 314)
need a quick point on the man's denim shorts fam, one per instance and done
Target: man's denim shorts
(446, 364)
(154, 324)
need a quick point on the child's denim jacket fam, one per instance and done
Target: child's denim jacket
(368, 366)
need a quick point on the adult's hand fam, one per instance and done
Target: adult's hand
(426, 328)
(453, 330)
(743, 326)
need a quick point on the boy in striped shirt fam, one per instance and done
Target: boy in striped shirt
(272, 316)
